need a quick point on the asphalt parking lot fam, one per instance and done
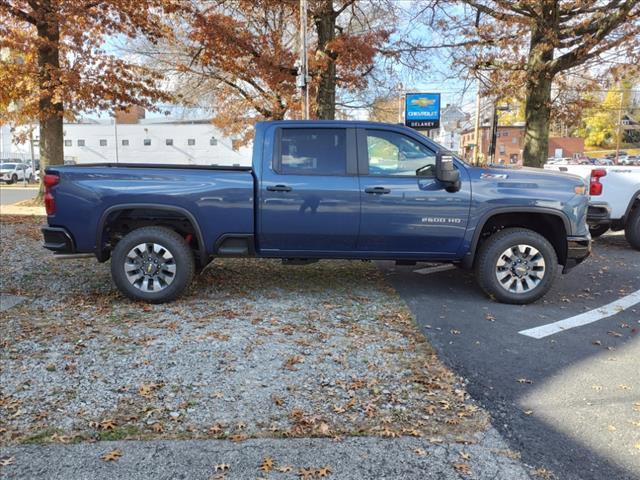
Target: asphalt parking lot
(569, 401)
(13, 194)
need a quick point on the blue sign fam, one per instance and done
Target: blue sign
(422, 110)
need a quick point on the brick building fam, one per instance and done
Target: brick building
(509, 144)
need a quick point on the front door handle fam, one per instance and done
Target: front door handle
(378, 190)
(279, 188)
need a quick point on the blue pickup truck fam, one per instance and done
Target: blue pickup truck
(319, 190)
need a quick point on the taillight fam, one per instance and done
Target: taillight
(49, 181)
(595, 187)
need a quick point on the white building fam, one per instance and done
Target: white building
(5, 142)
(183, 142)
(452, 121)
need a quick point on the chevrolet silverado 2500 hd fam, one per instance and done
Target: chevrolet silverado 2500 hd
(318, 190)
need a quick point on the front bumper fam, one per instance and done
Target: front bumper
(578, 248)
(58, 240)
(598, 214)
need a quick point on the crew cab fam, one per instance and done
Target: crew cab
(614, 199)
(321, 190)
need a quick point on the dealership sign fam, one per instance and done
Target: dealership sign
(422, 110)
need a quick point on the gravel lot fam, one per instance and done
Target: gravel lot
(255, 349)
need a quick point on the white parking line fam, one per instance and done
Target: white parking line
(584, 318)
(437, 268)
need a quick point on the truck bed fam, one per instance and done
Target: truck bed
(219, 198)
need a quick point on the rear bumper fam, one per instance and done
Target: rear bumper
(578, 248)
(598, 214)
(58, 240)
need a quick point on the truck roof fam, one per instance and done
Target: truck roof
(337, 123)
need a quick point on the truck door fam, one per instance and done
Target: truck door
(405, 209)
(309, 197)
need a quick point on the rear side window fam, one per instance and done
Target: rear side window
(309, 151)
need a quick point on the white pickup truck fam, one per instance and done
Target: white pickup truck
(614, 198)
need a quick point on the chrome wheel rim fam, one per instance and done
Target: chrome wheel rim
(520, 268)
(150, 267)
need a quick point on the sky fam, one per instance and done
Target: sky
(435, 80)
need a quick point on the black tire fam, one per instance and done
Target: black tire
(491, 252)
(182, 262)
(632, 228)
(598, 230)
(14, 179)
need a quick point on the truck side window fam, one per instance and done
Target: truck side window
(313, 151)
(392, 153)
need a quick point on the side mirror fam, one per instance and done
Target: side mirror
(447, 173)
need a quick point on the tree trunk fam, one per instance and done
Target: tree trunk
(50, 104)
(537, 118)
(325, 21)
(538, 87)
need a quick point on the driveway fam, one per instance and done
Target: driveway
(569, 401)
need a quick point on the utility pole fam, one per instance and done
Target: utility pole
(302, 80)
(494, 128)
(494, 134)
(619, 127)
(476, 135)
(400, 103)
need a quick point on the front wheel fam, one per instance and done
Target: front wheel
(14, 179)
(152, 264)
(632, 228)
(516, 265)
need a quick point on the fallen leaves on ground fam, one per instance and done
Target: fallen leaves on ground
(146, 389)
(157, 427)
(543, 473)
(323, 471)
(324, 321)
(463, 468)
(111, 456)
(221, 467)
(306, 473)
(267, 464)
(4, 462)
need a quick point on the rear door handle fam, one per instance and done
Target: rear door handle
(378, 190)
(279, 188)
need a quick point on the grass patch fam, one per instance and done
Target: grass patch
(43, 436)
(119, 433)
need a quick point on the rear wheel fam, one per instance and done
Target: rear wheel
(516, 265)
(153, 264)
(598, 230)
(632, 228)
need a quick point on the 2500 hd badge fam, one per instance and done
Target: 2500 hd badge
(441, 220)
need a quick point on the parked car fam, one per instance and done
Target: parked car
(615, 202)
(12, 172)
(318, 190)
